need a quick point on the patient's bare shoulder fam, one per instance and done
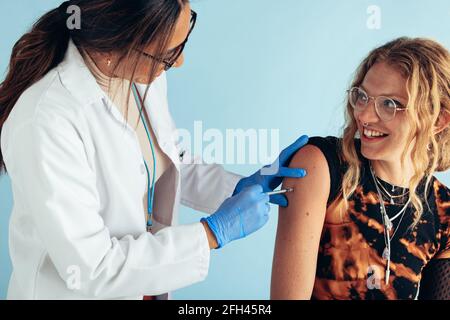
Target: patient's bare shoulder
(316, 184)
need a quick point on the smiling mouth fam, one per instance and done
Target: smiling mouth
(373, 134)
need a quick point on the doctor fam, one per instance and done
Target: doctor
(97, 177)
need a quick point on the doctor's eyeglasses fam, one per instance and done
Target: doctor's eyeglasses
(173, 55)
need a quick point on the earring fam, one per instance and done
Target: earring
(108, 62)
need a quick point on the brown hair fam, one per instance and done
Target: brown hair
(426, 66)
(107, 26)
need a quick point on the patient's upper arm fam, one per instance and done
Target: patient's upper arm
(300, 226)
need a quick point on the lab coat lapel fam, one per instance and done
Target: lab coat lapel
(160, 118)
(167, 190)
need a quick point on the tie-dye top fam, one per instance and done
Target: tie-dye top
(350, 263)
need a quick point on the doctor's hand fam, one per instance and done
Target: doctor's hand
(239, 215)
(271, 176)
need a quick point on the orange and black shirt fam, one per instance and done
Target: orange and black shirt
(350, 263)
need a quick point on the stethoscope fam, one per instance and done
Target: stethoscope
(150, 188)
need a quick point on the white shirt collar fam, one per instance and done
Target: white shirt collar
(77, 78)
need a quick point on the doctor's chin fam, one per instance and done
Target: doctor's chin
(225, 155)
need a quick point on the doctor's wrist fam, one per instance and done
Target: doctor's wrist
(212, 241)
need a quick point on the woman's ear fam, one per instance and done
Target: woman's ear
(443, 121)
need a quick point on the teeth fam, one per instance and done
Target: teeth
(373, 133)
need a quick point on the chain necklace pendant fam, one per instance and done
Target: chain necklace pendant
(393, 188)
(388, 223)
(386, 254)
(392, 201)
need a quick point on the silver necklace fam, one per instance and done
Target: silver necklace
(391, 197)
(401, 212)
(387, 225)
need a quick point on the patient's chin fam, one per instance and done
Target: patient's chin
(371, 154)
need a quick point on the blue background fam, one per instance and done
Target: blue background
(256, 64)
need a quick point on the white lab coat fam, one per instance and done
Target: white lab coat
(77, 229)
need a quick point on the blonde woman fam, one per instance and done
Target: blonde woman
(370, 221)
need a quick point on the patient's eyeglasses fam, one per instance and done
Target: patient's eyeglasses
(385, 107)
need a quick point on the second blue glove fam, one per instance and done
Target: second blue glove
(270, 180)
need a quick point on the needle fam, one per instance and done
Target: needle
(279, 191)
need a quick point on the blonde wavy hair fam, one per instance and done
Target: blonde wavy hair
(426, 66)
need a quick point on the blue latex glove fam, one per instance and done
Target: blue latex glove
(240, 215)
(270, 177)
